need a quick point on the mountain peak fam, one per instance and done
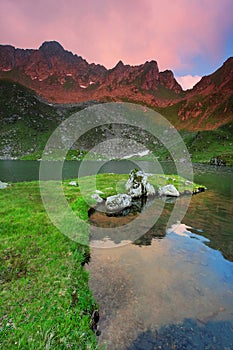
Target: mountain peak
(120, 64)
(53, 47)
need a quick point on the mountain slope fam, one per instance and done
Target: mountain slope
(59, 76)
(210, 103)
(27, 122)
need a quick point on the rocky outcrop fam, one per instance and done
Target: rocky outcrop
(61, 76)
(168, 80)
(138, 186)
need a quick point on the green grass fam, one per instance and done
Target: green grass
(111, 184)
(46, 302)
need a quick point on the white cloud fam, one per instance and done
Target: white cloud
(188, 81)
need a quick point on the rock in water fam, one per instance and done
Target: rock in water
(3, 185)
(118, 202)
(168, 190)
(150, 191)
(137, 185)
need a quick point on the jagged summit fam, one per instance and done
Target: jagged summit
(60, 76)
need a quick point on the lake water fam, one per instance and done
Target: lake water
(172, 288)
(19, 170)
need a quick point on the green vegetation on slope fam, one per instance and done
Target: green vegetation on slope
(27, 123)
(204, 145)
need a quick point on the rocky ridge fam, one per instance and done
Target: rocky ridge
(59, 76)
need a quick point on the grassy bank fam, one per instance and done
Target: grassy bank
(46, 302)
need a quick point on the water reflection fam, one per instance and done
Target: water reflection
(141, 288)
(209, 214)
(172, 289)
(188, 335)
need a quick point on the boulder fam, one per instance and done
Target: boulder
(168, 190)
(118, 202)
(150, 191)
(3, 185)
(137, 184)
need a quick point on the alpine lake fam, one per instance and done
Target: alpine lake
(172, 286)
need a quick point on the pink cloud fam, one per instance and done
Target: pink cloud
(188, 81)
(105, 31)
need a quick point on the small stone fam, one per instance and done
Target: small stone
(3, 185)
(73, 183)
(99, 192)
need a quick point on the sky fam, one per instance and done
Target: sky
(191, 37)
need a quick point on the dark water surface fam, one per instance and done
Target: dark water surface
(172, 288)
(19, 170)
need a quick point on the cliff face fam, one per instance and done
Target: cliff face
(60, 76)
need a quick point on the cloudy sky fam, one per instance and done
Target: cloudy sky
(191, 37)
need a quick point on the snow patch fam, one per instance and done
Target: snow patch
(6, 69)
(140, 154)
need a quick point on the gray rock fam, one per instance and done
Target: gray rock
(168, 190)
(118, 202)
(150, 191)
(3, 185)
(138, 186)
(97, 198)
(99, 192)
